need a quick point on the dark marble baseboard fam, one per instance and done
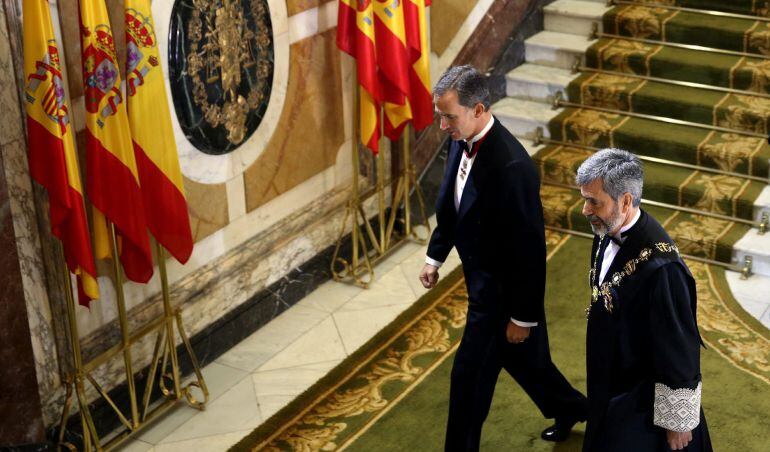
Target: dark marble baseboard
(41, 447)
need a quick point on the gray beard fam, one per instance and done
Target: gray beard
(606, 226)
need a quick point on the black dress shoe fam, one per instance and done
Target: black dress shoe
(560, 430)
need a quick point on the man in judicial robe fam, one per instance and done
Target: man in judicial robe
(489, 208)
(642, 341)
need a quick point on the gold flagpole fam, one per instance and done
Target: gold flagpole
(407, 173)
(381, 186)
(125, 336)
(169, 314)
(87, 423)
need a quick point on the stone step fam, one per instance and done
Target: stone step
(574, 16)
(521, 117)
(757, 246)
(550, 48)
(752, 293)
(537, 83)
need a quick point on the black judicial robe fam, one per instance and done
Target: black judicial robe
(643, 346)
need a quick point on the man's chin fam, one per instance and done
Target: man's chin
(598, 230)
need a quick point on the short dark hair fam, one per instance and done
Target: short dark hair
(471, 86)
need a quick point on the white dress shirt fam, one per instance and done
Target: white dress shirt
(613, 248)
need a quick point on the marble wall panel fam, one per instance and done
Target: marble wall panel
(11, 125)
(18, 380)
(19, 367)
(297, 6)
(20, 206)
(207, 204)
(446, 17)
(311, 128)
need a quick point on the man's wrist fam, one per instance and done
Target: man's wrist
(433, 262)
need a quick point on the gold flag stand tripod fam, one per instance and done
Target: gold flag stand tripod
(365, 254)
(165, 354)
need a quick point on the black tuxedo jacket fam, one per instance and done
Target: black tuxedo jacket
(498, 230)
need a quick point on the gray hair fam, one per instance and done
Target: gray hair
(471, 86)
(620, 171)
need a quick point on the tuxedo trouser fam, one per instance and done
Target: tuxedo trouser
(483, 352)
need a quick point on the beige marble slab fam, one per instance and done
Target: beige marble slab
(320, 344)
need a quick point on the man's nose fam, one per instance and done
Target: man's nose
(586, 209)
(444, 124)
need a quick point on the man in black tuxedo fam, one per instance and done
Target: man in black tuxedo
(489, 208)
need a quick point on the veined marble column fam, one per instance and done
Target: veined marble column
(21, 421)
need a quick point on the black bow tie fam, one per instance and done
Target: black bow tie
(468, 150)
(615, 240)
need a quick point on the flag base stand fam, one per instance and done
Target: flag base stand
(165, 362)
(369, 248)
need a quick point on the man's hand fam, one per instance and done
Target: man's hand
(678, 440)
(429, 276)
(516, 334)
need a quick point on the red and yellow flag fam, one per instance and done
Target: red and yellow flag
(388, 39)
(51, 147)
(420, 97)
(153, 137)
(112, 176)
(355, 36)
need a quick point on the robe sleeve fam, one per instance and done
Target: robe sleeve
(676, 350)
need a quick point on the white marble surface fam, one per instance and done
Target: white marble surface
(573, 16)
(553, 49)
(758, 247)
(753, 294)
(762, 203)
(537, 83)
(270, 368)
(236, 197)
(522, 117)
(312, 21)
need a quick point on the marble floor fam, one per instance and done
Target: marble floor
(263, 373)
(259, 376)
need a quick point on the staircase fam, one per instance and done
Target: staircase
(684, 84)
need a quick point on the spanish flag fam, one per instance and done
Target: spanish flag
(112, 176)
(355, 36)
(405, 63)
(153, 137)
(51, 147)
(389, 41)
(420, 98)
(393, 65)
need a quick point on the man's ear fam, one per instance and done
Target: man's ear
(478, 110)
(628, 200)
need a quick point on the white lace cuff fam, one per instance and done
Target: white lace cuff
(677, 410)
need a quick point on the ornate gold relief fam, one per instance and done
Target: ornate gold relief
(221, 65)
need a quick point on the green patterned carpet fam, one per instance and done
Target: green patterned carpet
(628, 96)
(392, 395)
